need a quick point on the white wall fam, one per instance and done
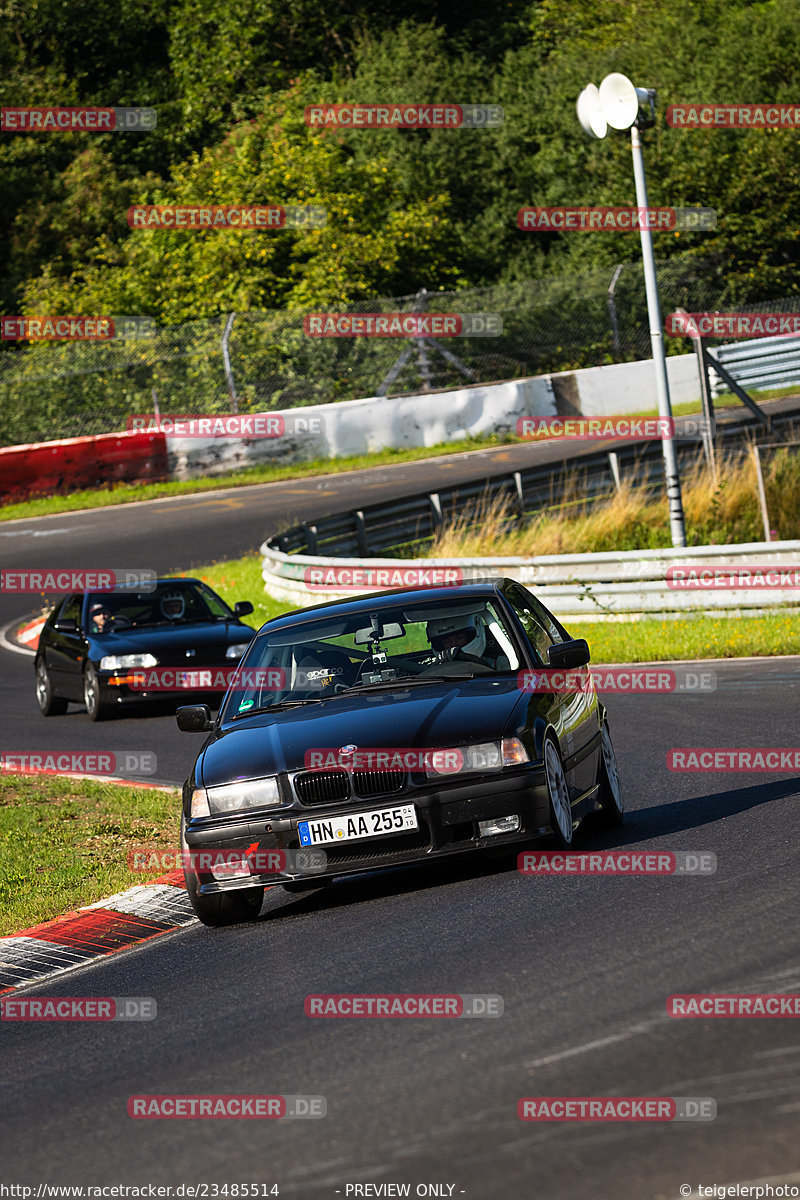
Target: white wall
(359, 426)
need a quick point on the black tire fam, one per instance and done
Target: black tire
(226, 908)
(49, 705)
(95, 708)
(561, 821)
(221, 908)
(612, 802)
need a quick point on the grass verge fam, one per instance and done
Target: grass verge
(65, 843)
(690, 637)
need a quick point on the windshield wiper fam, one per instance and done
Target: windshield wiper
(279, 707)
(406, 681)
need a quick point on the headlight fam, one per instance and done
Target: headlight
(119, 662)
(236, 650)
(481, 756)
(232, 797)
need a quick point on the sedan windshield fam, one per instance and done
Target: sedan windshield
(173, 602)
(403, 645)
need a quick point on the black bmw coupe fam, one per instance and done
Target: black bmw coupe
(107, 650)
(392, 728)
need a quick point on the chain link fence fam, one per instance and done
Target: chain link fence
(67, 389)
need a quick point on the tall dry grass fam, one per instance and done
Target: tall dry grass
(717, 511)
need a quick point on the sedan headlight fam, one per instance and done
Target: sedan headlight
(236, 650)
(233, 797)
(120, 662)
(479, 756)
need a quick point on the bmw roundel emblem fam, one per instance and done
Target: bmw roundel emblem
(349, 749)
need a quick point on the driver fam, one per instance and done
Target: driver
(454, 637)
(101, 618)
(173, 605)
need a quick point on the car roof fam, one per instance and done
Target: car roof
(486, 589)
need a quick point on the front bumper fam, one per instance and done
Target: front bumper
(115, 690)
(447, 816)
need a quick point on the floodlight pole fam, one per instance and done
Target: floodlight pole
(676, 519)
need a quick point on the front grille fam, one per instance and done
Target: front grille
(378, 783)
(322, 787)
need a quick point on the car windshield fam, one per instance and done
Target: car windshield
(172, 602)
(409, 644)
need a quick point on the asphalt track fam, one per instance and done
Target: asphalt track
(584, 965)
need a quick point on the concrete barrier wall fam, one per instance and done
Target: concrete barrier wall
(344, 429)
(73, 463)
(359, 426)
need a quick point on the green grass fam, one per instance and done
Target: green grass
(690, 637)
(64, 843)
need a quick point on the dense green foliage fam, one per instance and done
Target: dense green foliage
(407, 209)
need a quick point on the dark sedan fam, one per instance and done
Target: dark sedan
(393, 728)
(111, 649)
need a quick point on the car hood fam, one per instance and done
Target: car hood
(441, 715)
(167, 640)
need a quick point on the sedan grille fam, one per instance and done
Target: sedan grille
(322, 787)
(378, 783)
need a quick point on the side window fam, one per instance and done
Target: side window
(543, 617)
(71, 608)
(537, 633)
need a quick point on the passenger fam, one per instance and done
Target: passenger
(173, 605)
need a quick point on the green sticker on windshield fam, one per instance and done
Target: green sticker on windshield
(246, 704)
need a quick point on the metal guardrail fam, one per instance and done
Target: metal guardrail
(758, 364)
(626, 585)
(587, 587)
(378, 528)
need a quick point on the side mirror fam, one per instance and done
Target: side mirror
(241, 608)
(574, 653)
(66, 625)
(194, 718)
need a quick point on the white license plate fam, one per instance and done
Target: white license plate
(356, 826)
